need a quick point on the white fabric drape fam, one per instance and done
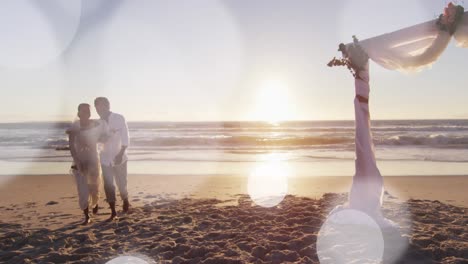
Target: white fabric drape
(413, 48)
(461, 35)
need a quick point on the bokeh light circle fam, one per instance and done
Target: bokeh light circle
(34, 33)
(164, 59)
(268, 182)
(127, 260)
(350, 236)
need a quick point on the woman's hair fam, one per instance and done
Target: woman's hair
(83, 105)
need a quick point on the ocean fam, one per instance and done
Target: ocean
(312, 148)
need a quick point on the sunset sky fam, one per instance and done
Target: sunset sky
(213, 60)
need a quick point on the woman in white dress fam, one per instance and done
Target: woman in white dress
(84, 135)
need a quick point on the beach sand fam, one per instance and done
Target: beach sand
(211, 219)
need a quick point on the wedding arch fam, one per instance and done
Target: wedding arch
(405, 50)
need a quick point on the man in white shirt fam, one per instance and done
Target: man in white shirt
(113, 155)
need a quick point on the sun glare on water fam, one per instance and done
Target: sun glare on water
(272, 103)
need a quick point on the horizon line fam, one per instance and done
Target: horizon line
(253, 121)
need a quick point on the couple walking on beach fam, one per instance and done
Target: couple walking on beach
(99, 146)
(111, 132)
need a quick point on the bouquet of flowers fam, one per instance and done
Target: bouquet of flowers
(354, 57)
(452, 16)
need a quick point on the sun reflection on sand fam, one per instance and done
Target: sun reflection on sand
(268, 180)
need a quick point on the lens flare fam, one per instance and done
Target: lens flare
(268, 181)
(127, 260)
(350, 236)
(46, 30)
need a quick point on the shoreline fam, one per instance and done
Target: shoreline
(447, 188)
(298, 168)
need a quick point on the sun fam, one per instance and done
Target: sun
(272, 102)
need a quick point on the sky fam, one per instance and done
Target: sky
(214, 60)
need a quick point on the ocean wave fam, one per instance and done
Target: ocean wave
(243, 141)
(342, 129)
(431, 140)
(254, 142)
(220, 158)
(434, 140)
(240, 136)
